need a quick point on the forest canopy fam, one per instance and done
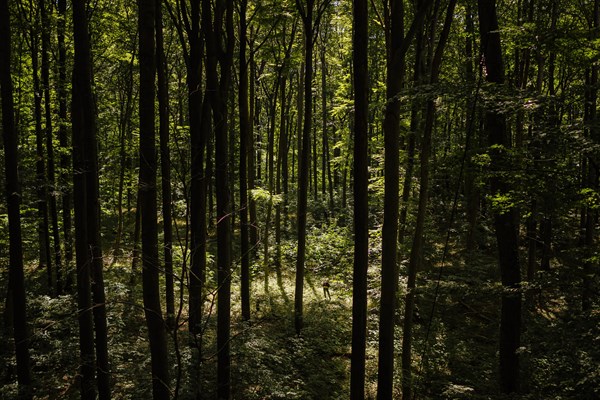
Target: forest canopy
(299, 199)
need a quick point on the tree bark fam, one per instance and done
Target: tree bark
(220, 55)
(199, 114)
(51, 181)
(416, 254)
(64, 143)
(147, 195)
(16, 279)
(165, 165)
(391, 127)
(504, 220)
(303, 164)
(592, 178)
(45, 260)
(360, 38)
(244, 149)
(82, 112)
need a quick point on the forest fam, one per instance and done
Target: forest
(299, 199)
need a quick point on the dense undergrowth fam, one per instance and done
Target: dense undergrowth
(455, 349)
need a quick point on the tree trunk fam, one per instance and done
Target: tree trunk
(147, 195)
(416, 254)
(361, 198)
(303, 164)
(592, 179)
(16, 280)
(391, 126)
(64, 143)
(165, 165)
(415, 127)
(199, 120)
(94, 243)
(82, 112)
(324, 122)
(244, 148)
(391, 129)
(40, 168)
(472, 191)
(126, 111)
(270, 180)
(504, 221)
(282, 149)
(51, 181)
(218, 86)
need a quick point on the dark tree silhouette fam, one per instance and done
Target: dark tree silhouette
(505, 223)
(13, 199)
(147, 196)
(360, 37)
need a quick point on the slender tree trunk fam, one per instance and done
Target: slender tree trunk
(504, 221)
(165, 165)
(391, 128)
(299, 121)
(472, 190)
(252, 158)
(147, 195)
(416, 254)
(218, 86)
(592, 178)
(269, 177)
(361, 199)
(209, 172)
(45, 9)
(244, 148)
(135, 254)
(282, 149)
(94, 243)
(16, 279)
(40, 167)
(303, 164)
(314, 158)
(126, 111)
(64, 143)
(415, 127)
(199, 117)
(85, 166)
(83, 120)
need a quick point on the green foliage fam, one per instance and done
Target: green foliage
(590, 198)
(502, 203)
(263, 196)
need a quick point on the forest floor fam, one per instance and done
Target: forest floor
(455, 348)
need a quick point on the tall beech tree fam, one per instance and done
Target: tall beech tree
(165, 165)
(63, 138)
(16, 278)
(416, 253)
(505, 224)
(397, 48)
(45, 258)
(391, 131)
(92, 314)
(310, 21)
(45, 10)
(187, 23)
(220, 40)
(147, 199)
(244, 153)
(591, 215)
(360, 37)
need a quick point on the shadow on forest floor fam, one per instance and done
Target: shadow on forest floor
(559, 353)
